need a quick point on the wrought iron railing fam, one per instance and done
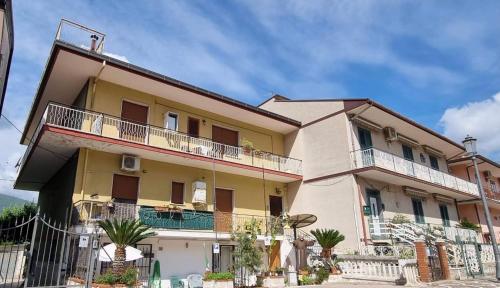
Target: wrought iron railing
(90, 211)
(113, 127)
(377, 158)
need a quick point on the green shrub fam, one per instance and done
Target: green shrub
(321, 275)
(219, 276)
(400, 219)
(306, 280)
(466, 224)
(129, 278)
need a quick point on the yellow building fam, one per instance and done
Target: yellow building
(107, 139)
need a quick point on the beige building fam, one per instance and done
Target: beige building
(367, 168)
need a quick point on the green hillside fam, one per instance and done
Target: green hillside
(7, 201)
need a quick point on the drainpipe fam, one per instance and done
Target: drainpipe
(97, 77)
(82, 194)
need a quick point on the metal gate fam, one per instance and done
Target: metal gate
(434, 263)
(37, 251)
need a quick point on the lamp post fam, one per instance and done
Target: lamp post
(470, 146)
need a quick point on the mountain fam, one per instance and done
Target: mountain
(7, 201)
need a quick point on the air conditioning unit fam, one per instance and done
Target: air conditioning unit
(488, 174)
(130, 163)
(390, 134)
(199, 192)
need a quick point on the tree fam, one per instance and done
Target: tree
(328, 239)
(248, 256)
(124, 233)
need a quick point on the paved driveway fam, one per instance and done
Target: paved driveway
(466, 283)
(485, 283)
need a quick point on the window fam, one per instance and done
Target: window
(493, 186)
(177, 193)
(434, 162)
(171, 121)
(365, 138)
(418, 210)
(443, 210)
(408, 153)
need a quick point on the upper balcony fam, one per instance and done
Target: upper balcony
(65, 129)
(380, 165)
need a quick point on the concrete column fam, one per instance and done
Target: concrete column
(443, 259)
(422, 261)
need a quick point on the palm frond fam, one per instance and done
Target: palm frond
(328, 238)
(125, 232)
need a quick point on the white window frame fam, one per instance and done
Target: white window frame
(166, 117)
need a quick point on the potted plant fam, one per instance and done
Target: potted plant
(247, 146)
(218, 280)
(247, 253)
(328, 239)
(400, 219)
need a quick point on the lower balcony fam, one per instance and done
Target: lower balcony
(173, 218)
(380, 165)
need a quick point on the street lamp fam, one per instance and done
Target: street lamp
(470, 146)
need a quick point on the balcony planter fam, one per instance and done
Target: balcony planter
(218, 280)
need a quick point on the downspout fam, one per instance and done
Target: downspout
(94, 85)
(82, 194)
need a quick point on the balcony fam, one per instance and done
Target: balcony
(63, 130)
(491, 194)
(384, 161)
(175, 219)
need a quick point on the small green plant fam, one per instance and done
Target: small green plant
(400, 219)
(466, 224)
(219, 276)
(247, 144)
(306, 280)
(129, 277)
(407, 253)
(328, 239)
(321, 275)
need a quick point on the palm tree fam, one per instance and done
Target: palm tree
(124, 233)
(328, 239)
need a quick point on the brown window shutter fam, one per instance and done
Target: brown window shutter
(125, 187)
(177, 193)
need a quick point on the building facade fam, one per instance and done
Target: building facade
(382, 174)
(6, 45)
(107, 139)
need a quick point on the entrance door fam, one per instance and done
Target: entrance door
(137, 118)
(193, 127)
(225, 136)
(373, 197)
(224, 209)
(226, 258)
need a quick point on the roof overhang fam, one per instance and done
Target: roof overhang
(384, 117)
(69, 67)
(483, 163)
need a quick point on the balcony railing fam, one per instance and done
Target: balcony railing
(93, 211)
(112, 127)
(492, 194)
(376, 158)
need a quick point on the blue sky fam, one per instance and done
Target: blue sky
(437, 62)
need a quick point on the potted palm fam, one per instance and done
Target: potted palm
(123, 233)
(328, 239)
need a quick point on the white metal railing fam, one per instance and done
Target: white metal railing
(112, 127)
(377, 158)
(377, 268)
(408, 232)
(80, 35)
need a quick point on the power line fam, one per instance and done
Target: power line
(30, 140)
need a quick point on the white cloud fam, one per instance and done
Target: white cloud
(479, 119)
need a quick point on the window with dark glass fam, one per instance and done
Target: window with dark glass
(443, 210)
(418, 210)
(365, 138)
(434, 162)
(408, 153)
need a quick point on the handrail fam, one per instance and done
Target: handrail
(105, 125)
(389, 161)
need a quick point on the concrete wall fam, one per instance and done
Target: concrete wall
(96, 176)
(475, 214)
(108, 99)
(304, 111)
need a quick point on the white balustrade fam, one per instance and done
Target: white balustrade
(113, 127)
(377, 158)
(376, 268)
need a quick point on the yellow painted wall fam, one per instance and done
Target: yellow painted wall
(108, 98)
(156, 178)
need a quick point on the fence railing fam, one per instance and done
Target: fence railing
(378, 268)
(377, 158)
(410, 231)
(112, 127)
(92, 211)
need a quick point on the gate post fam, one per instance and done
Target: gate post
(422, 261)
(32, 247)
(443, 258)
